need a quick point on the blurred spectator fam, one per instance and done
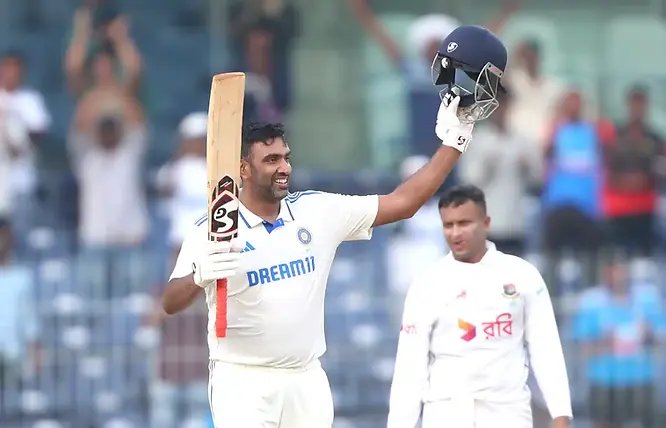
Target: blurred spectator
(502, 163)
(107, 146)
(264, 32)
(425, 36)
(19, 341)
(184, 179)
(181, 387)
(101, 53)
(536, 97)
(632, 164)
(259, 87)
(572, 189)
(618, 324)
(14, 142)
(21, 107)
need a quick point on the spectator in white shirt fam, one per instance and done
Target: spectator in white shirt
(536, 97)
(473, 326)
(14, 142)
(504, 166)
(24, 108)
(184, 179)
(107, 147)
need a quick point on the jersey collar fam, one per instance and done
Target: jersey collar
(252, 220)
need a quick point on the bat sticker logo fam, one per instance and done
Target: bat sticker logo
(224, 210)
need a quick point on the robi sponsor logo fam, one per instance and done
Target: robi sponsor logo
(281, 271)
(501, 326)
(469, 329)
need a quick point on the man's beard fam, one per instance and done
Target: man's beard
(278, 194)
(271, 193)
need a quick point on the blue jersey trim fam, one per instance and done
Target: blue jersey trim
(293, 197)
(201, 220)
(286, 204)
(240, 214)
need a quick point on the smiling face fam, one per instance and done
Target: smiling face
(267, 169)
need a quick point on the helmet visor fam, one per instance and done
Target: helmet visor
(478, 90)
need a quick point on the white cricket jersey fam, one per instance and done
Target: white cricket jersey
(275, 306)
(467, 331)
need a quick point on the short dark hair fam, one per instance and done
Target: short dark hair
(638, 90)
(14, 54)
(259, 132)
(459, 195)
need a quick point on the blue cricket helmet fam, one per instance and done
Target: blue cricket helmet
(470, 63)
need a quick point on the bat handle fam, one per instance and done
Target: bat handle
(221, 314)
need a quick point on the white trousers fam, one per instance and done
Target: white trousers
(476, 414)
(261, 397)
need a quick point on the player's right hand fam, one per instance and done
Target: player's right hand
(449, 128)
(216, 260)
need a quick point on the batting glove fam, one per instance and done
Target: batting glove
(449, 128)
(216, 260)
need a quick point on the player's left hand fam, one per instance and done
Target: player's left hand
(449, 128)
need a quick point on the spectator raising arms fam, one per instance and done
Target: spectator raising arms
(101, 52)
(107, 145)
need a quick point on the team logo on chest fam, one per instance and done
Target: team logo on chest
(304, 236)
(509, 291)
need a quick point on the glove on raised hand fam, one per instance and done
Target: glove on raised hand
(449, 128)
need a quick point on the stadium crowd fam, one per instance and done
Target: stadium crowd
(102, 170)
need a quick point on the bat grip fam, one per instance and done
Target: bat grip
(221, 304)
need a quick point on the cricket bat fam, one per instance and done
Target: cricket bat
(223, 145)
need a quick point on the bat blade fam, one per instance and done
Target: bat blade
(223, 152)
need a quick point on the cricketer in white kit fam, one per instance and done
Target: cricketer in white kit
(472, 327)
(266, 371)
(275, 309)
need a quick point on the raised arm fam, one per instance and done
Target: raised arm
(75, 58)
(507, 9)
(367, 19)
(412, 194)
(128, 54)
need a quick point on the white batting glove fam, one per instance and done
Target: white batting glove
(449, 129)
(216, 260)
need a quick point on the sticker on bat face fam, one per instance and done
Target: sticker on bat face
(224, 210)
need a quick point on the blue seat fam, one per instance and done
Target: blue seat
(113, 327)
